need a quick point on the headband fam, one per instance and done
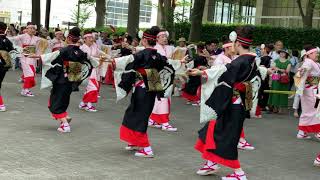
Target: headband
(244, 41)
(227, 45)
(149, 36)
(58, 32)
(88, 35)
(163, 33)
(32, 26)
(311, 51)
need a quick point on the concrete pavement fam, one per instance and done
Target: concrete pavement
(32, 149)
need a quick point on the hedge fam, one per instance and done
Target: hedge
(293, 38)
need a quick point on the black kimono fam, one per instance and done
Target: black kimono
(263, 97)
(62, 81)
(230, 100)
(5, 60)
(143, 73)
(191, 91)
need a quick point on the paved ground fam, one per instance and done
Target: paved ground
(32, 149)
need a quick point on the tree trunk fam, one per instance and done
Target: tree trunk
(48, 9)
(159, 16)
(309, 15)
(101, 13)
(196, 23)
(168, 16)
(35, 18)
(133, 17)
(211, 10)
(307, 18)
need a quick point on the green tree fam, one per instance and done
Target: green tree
(167, 15)
(81, 15)
(100, 8)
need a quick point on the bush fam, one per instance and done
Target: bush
(293, 38)
(119, 30)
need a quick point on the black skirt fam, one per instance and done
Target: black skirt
(3, 72)
(60, 97)
(137, 114)
(227, 132)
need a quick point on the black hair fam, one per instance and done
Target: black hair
(214, 41)
(75, 32)
(201, 46)
(129, 39)
(225, 39)
(3, 27)
(308, 47)
(51, 35)
(87, 31)
(269, 48)
(30, 23)
(154, 30)
(171, 42)
(245, 32)
(295, 53)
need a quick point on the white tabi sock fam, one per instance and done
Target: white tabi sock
(165, 124)
(89, 104)
(210, 163)
(148, 149)
(239, 172)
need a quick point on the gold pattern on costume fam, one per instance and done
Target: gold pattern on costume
(74, 70)
(29, 50)
(7, 58)
(154, 82)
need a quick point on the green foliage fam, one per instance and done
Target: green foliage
(120, 30)
(87, 2)
(84, 15)
(292, 38)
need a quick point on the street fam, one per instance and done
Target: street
(31, 148)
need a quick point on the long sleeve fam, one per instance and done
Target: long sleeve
(210, 84)
(121, 68)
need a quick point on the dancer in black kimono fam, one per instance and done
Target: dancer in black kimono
(148, 75)
(5, 59)
(65, 73)
(227, 97)
(191, 91)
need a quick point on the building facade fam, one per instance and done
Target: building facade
(117, 13)
(283, 13)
